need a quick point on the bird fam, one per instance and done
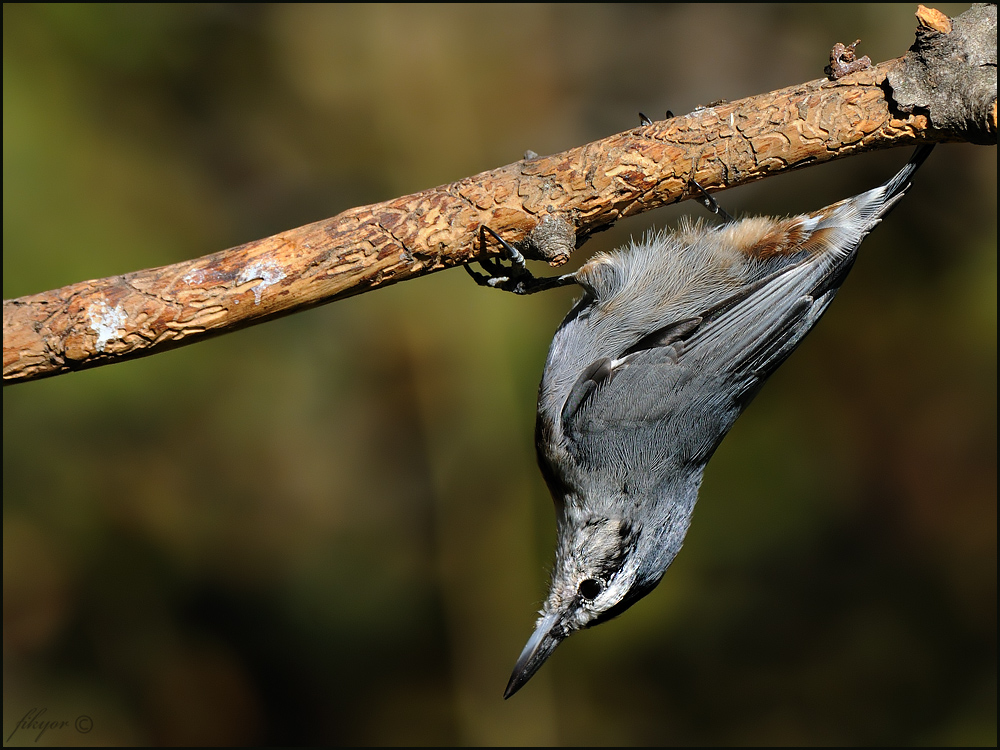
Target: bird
(673, 337)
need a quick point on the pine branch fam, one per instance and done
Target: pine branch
(943, 89)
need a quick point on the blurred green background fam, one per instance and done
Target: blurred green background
(330, 528)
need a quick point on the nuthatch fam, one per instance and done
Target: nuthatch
(673, 337)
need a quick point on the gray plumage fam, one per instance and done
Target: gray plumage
(673, 337)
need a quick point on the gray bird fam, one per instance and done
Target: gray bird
(673, 337)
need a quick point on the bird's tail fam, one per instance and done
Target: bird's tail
(841, 227)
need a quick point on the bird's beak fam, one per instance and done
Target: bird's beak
(539, 647)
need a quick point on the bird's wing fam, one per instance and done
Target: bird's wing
(693, 377)
(745, 339)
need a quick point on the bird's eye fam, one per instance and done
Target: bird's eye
(590, 588)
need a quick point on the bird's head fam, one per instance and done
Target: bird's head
(600, 571)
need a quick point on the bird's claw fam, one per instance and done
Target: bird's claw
(516, 278)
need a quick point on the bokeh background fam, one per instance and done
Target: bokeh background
(330, 528)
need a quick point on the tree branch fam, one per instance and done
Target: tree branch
(546, 205)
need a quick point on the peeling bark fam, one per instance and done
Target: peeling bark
(950, 73)
(547, 205)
